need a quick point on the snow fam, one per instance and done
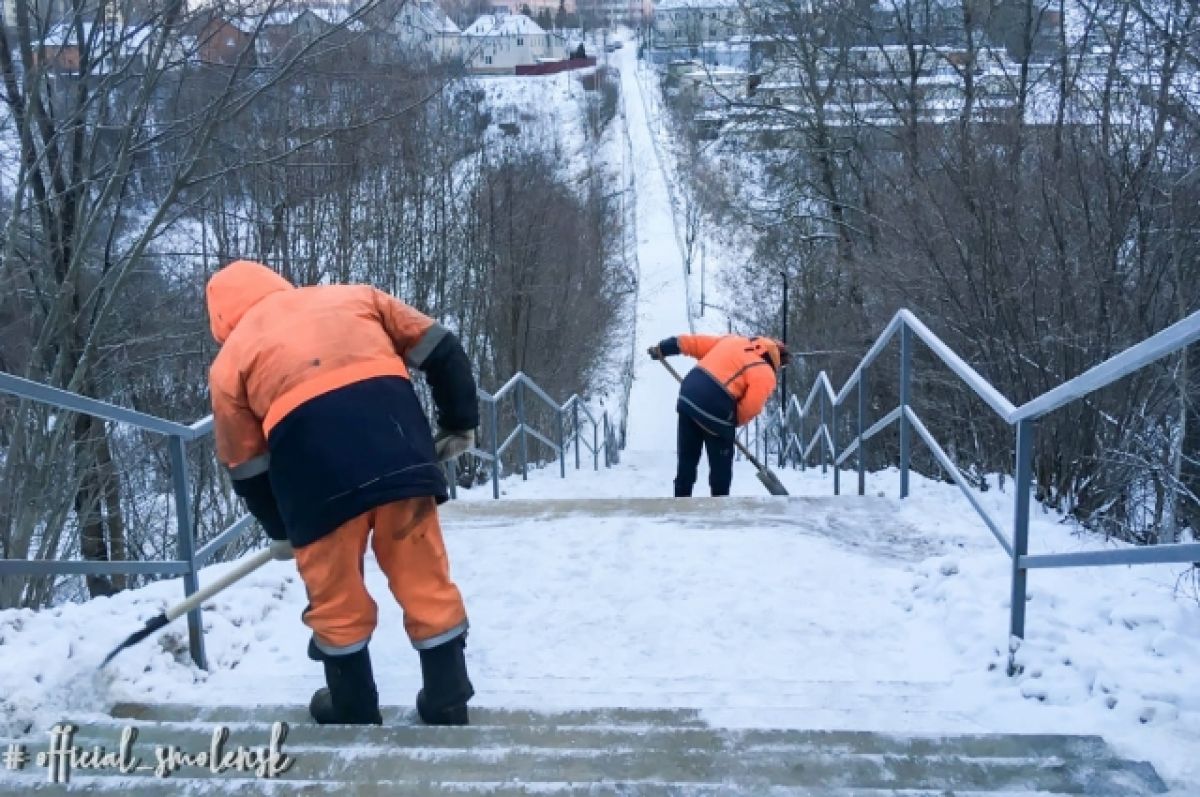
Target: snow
(698, 5)
(550, 115)
(662, 285)
(434, 17)
(865, 613)
(1108, 650)
(503, 25)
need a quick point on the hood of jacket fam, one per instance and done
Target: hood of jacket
(233, 290)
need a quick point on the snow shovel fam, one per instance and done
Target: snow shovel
(155, 623)
(765, 475)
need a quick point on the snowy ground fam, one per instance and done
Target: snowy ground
(662, 285)
(849, 613)
(856, 613)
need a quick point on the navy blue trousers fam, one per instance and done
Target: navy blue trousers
(691, 441)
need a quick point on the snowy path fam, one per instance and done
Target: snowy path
(662, 288)
(662, 312)
(854, 613)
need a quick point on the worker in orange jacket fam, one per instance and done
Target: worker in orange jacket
(726, 390)
(325, 440)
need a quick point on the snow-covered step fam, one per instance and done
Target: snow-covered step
(845, 512)
(193, 787)
(867, 523)
(609, 751)
(398, 717)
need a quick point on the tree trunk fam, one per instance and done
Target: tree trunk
(93, 542)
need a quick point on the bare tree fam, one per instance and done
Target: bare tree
(115, 117)
(1026, 186)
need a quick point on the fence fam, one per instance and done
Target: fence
(826, 405)
(554, 67)
(568, 420)
(188, 559)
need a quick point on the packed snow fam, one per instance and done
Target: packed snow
(867, 613)
(662, 281)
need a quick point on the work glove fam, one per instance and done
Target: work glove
(655, 352)
(281, 550)
(449, 445)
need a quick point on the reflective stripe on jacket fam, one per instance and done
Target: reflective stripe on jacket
(729, 386)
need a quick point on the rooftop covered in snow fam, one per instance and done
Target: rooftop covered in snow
(504, 25)
(679, 5)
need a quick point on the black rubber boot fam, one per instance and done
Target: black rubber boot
(443, 700)
(350, 697)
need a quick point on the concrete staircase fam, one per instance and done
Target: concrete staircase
(647, 752)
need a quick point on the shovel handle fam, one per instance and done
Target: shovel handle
(244, 568)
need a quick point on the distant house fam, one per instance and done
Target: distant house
(221, 42)
(530, 7)
(285, 32)
(108, 48)
(422, 26)
(612, 12)
(691, 23)
(499, 44)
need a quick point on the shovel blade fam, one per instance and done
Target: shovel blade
(152, 625)
(771, 482)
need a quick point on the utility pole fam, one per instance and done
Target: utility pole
(782, 381)
(783, 373)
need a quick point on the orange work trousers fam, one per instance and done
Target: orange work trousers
(408, 545)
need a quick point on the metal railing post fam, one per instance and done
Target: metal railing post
(905, 432)
(562, 445)
(495, 414)
(821, 430)
(783, 437)
(803, 442)
(1020, 542)
(833, 445)
(452, 479)
(862, 444)
(520, 391)
(607, 437)
(576, 412)
(595, 446)
(187, 546)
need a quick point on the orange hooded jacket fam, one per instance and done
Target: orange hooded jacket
(282, 346)
(732, 381)
(311, 389)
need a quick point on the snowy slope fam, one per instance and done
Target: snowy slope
(662, 286)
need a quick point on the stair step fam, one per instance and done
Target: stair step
(401, 716)
(599, 736)
(589, 751)
(699, 765)
(185, 787)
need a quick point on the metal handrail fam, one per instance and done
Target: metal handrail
(1170, 340)
(66, 400)
(906, 325)
(516, 387)
(189, 560)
